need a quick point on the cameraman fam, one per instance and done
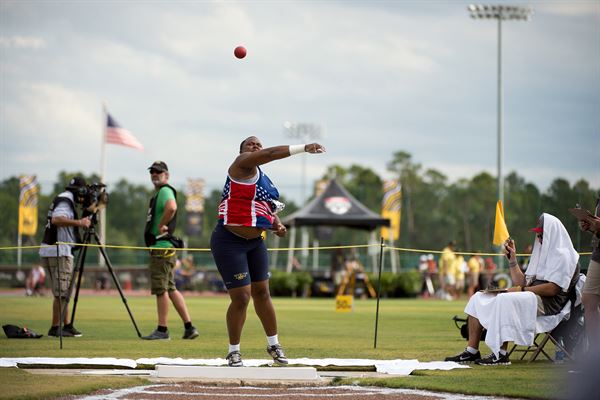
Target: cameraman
(160, 225)
(63, 226)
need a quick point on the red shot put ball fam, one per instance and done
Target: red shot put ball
(240, 52)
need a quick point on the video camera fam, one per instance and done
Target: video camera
(95, 198)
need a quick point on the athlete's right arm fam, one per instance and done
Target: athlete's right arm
(249, 160)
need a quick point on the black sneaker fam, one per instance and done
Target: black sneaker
(54, 332)
(493, 360)
(234, 359)
(191, 333)
(71, 329)
(157, 335)
(464, 357)
(276, 351)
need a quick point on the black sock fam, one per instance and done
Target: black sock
(162, 328)
(187, 325)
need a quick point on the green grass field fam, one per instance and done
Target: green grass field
(408, 329)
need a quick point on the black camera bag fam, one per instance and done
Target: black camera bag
(14, 332)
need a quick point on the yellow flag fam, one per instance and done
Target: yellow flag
(500, 230)
(28, 210)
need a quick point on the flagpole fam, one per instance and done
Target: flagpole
(19, 236)
(103, 180)
(19, 243)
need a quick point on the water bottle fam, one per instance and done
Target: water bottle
(559, 355)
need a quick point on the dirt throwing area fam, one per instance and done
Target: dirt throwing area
(185, 391)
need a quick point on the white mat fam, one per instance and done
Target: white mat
(392, 367)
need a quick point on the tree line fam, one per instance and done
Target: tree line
(434, 210)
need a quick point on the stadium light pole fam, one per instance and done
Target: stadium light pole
(500, 13)
(303, 132)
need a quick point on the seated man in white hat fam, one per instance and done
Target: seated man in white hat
(543, 289)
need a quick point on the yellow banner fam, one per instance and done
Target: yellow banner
(28, 210)
(500, 229)
(28, 217)
(393, 231)
(391, 206)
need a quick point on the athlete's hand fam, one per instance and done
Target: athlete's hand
(314, 148)
(279, 229)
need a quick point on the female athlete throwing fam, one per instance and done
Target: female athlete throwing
(249, 205)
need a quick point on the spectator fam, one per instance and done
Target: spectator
(475, 265)
(427, 287)
(489, 269)
(102, 282)
(447, 275)
(34, 284)
(591, 289)
(160, 226)
(460, 268)
(338, 265)
(543, 290)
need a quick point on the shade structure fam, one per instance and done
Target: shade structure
(336, 207)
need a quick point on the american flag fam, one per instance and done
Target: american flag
(117, 135)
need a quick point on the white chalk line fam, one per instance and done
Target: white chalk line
(309, 392)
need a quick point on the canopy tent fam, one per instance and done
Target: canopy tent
(335, 206)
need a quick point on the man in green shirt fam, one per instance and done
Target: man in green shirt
(160, 225)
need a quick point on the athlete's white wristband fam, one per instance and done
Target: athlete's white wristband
(297, 148)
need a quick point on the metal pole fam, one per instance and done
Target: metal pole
(292, 243)
(103, 180)
(500, 259)
(19, 243)
(378, 291)
(303, 187)
(500, 115)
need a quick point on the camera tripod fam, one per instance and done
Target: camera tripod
(79, 266)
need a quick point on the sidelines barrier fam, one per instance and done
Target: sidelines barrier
(132, 271)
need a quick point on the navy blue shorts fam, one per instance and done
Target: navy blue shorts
(239, 261)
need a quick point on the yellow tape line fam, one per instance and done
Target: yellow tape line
(384, 246)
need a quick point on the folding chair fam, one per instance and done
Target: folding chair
(568, 324)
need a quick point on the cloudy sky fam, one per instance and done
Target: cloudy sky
(377, 76)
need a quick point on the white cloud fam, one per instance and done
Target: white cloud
(573, 8)
(22, 42)
(47, 128)
(50, 113)
(382, 76)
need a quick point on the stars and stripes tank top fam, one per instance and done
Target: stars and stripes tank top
(249, 203)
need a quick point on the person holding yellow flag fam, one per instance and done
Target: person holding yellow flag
(543, 289)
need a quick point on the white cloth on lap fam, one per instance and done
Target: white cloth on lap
(506, 316)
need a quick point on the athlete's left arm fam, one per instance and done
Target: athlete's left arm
(278, 228)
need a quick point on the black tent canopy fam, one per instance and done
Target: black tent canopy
(336, 207)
